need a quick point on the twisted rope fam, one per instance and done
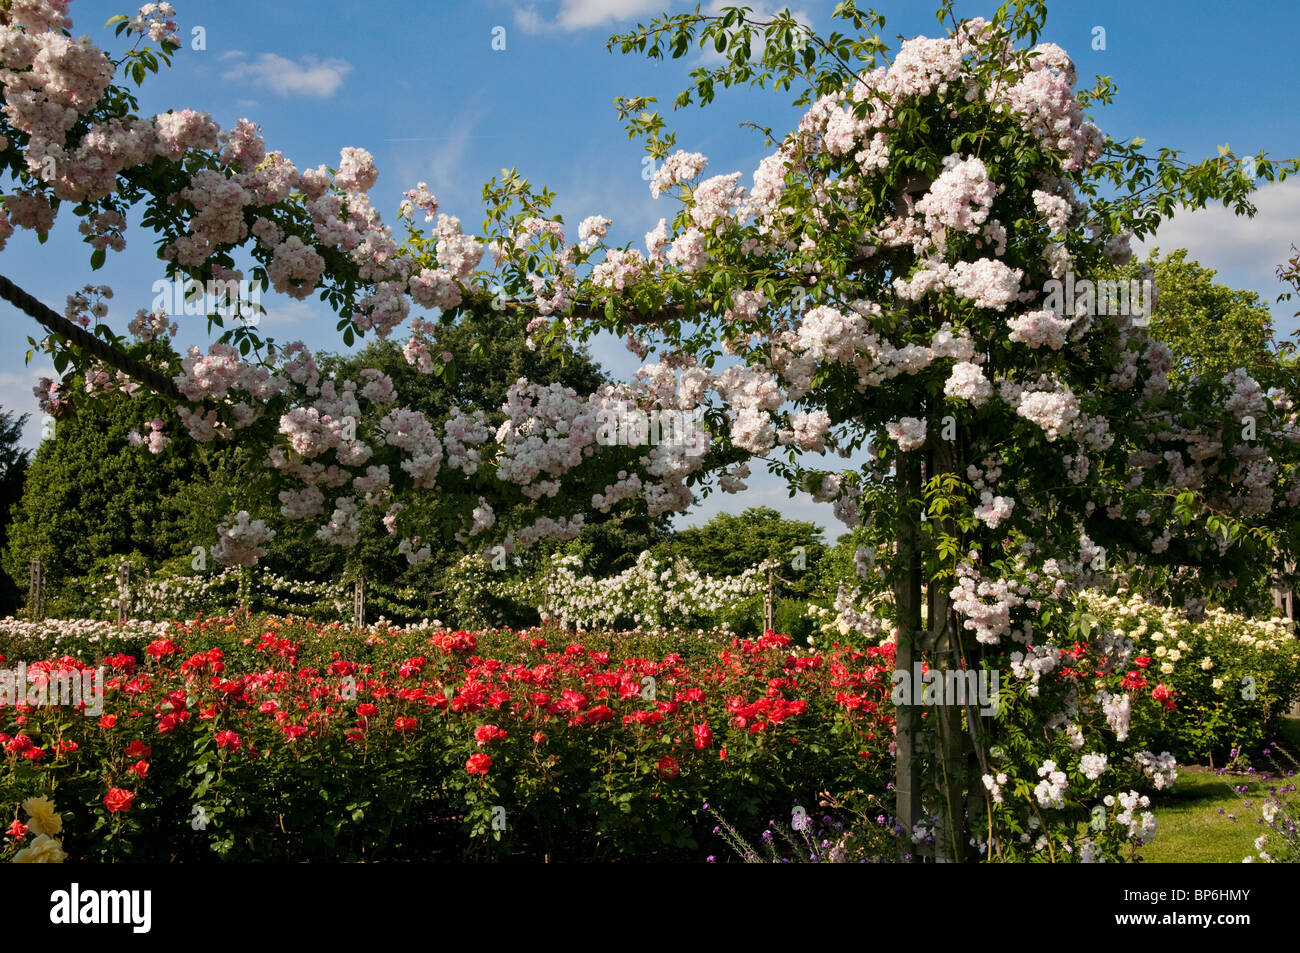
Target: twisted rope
(81, 338)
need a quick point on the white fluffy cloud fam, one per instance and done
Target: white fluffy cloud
(311, 76)
(16, 398)
(584, 14)
(1245, 251)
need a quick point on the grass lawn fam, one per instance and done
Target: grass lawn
(1190, 827)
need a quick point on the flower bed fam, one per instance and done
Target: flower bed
(1201, 689)
(279, 739)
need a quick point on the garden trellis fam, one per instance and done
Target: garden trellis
(884, 284)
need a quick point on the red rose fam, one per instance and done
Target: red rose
(138, 749)
(539, 737)
(17, 829)
(486, 734)
(404, 724)
(1142, 661)
(170, 720)
(162, 647)
(228, 739)
(703, 736)
(108, 721)
(478, 764)
(366, 711)
(668, 767)
(118, 800)
(140, 769)
(1164, 695)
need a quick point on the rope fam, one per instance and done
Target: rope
(86, 341)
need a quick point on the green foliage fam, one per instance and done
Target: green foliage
(1211, 328)
(727, 545)
(381, 766)
(89, 495)
(1232, 678)
(13, 472)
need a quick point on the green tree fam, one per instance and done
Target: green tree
(727, 545)
(1210, 327)
(90, 495)
(612, 544)
(490, 353)
(14, 461)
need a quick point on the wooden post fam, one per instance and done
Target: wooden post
(1284, 593)
(767, 604)
(907, 595)
(1284, 602)
(123, 591)
(907, 598)
(952, 749)
(34, 590)
(359, 604)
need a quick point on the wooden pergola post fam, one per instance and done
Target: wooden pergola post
(1284, 592)
(767, 604)
(359, 604)
(34, 590)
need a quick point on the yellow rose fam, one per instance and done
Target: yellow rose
(43, 818)
(44, 850)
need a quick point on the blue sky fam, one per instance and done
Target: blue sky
(420, 86)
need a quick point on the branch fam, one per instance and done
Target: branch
(86, 341)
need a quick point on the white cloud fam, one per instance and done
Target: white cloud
(16, 397)
(1244, 251)
(529, 20)
(584, 14)
(291, 312)
(311, 76)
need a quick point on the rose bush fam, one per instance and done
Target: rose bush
(1202, 688)
(887, 282)
(290, 740)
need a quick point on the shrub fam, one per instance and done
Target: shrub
(293, 741)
